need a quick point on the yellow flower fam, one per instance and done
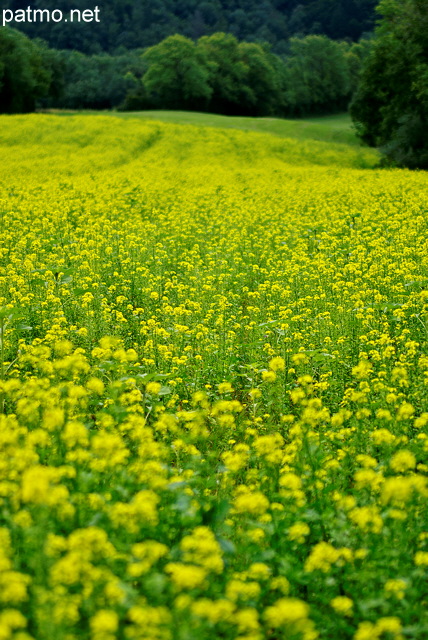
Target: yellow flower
(281, 584)
(142, 509)
(268, 376)
(277, 364)
(258, 571)
(321, 557)
(224, 387)
(391, 625)
(253, 503)
(402, 461)
(202, 548)
(421, 558)
(96, 385)
(366, 631)
(153, 388)
(382, 436)
(362, 370)
(291, 614)
(213, 610)
(300, 358)
(11, 619)
(405, 411)
(75, 433)
(53, 418)
(103, 623)
(398, 490)
(342, 605)
(368, 478)
(239, 590)
(186, 576)
(13, 587)
(247, 620)
(298, 531)
(270, 447)
(235, 461)
(367, 518)
(396, 588)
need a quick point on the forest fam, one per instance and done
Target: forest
(125, 24)
(217, 74)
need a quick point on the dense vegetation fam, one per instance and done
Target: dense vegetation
(235, 70)
(131, 25)
(213, 386)
(217, 73)
(221, 75)
(390, 107)
(29, 71)
(100, 81)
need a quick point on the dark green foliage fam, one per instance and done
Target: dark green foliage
(217, 74)
(178, 74)
(232, 57)
(28, 71)
(129, 24)
(317, 76)
(265, 79)
(390, 107)
(228, 79)
(99, 81)
(339, 18)
(222, 75)
(408, 145)
(355, 55)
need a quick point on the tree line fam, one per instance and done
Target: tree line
(125, 24)
(385, 78)
(217, 73)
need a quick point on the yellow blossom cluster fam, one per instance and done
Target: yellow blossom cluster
(213, 386)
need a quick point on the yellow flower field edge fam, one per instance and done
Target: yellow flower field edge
(213, 386)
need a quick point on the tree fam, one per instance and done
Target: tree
(390, 107)
(222, 75)
(355, 55)
(217, 74)
(99, 81)
(25, 72)
(228, 78)
(178, 74)
(317, 75)
(262, 78)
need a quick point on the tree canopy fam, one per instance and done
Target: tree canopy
(317, 75)
(178, 75)
(28, 71)
(129, 25)
(222, 75)
(390, 107)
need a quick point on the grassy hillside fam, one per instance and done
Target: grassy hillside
(213, 384)
(336, 128)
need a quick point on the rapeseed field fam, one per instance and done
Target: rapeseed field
(213, 386)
